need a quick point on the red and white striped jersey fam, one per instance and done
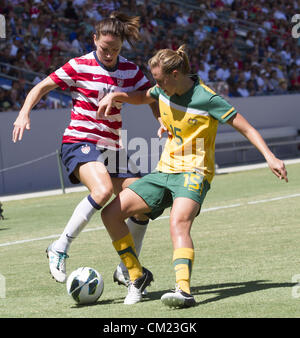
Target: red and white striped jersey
(89, 81)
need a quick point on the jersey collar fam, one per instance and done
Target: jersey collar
(113, 69)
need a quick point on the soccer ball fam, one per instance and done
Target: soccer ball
(85, 285)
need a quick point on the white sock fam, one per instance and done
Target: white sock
(137, 230)
(79, 219)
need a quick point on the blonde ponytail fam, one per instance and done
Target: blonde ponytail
(170, 60)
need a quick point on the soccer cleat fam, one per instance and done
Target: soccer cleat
(57, 264)
(178, 298)
(121, 277)
(136, 288)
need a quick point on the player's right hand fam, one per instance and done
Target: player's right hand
(104, 106)
(277, 166)
(22, 122)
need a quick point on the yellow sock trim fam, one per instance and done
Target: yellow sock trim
(187, 253)
(183, 259)
(126, 250)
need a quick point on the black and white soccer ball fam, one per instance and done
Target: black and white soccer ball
(85, 285)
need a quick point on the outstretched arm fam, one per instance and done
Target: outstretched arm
(34, 96)
(244, 127)
(137, 97)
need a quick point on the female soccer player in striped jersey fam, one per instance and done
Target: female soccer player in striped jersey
(191, 112)
(92, 149)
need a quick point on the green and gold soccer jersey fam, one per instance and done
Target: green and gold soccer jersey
(192, 119)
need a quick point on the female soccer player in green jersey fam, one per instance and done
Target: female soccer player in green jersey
(190, 111)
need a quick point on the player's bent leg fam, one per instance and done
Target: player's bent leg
(137, 225)
(95, 177)
(140, 277)
(182, 216)
(137, 229)
(123, 206)
(113, 215)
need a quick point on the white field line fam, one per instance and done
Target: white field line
(46, 237)
(274, 199)
(159, 218)
(42, 194)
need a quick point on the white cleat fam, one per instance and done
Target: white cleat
(57, 264)
(134, 295)
(121, 277)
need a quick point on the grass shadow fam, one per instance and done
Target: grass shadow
(100, 302)
(226, 290)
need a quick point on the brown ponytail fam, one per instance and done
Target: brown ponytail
(121, 25)
(170, 60)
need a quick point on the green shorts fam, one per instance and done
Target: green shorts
(159, 189)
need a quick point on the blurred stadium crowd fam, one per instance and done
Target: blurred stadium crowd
(241, 48)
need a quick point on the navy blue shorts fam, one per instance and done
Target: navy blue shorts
(117, 163)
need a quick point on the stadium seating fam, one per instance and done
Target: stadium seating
(219, 19)
(232, 147)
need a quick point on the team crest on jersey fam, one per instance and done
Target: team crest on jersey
(85, 149)
(120, 82)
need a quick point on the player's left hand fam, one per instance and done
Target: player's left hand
(162, 129)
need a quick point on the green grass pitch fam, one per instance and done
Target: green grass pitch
(247, 254)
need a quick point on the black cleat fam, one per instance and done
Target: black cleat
(136, 288)
(178, 298)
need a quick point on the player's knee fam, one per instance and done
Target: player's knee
(102, 194)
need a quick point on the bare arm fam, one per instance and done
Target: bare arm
(34, 96)
(155, 110)
(244, 127)
(137, 97)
